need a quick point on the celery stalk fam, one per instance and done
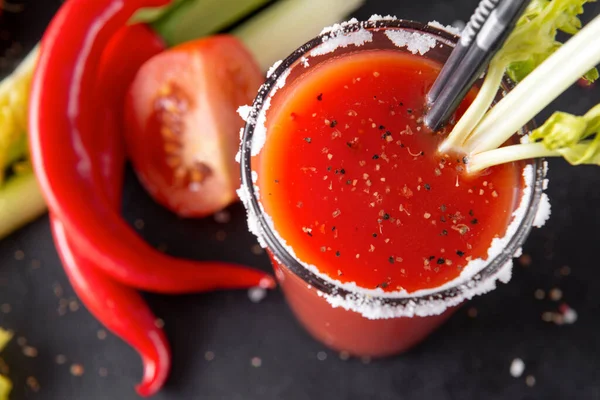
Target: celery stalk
(280, 29)
(21, 202)
(5, 383)
(531, 42)
(539, 88)
(192, 19)
(16, 150)
(14, 95)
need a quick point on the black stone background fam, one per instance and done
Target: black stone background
(468, 358)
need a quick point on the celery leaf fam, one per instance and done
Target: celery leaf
(576, 138)
(534, 37)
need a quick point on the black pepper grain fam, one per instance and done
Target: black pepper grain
(427, 187)
(320, 96)
(441, 261)
(375, 157)
(386, 216)
(333, 124)
(337, 253)
(460, 253)
(307, 139)
(391, 260)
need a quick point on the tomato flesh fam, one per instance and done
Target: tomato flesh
(182, 123)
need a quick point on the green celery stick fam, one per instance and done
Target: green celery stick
(192, 19)
(21, 202)
(281, 28)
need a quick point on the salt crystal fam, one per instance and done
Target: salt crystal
(454, 29)
(256, 362)
(244, 112)
(570, 316)
(555, 294)
(517, 367)
(415, 42)
(341, 39)
(377, 17)
(256, 294)
(222, 217)
(273, 67)
(543, 212)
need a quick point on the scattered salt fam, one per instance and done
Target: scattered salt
(517, 367)
(569, 316)
(222, 217)
(256, 362)
(256, 294)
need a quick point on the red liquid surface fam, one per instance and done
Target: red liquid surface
(355, 186)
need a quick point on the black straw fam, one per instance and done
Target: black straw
(477, 20)
(488, 41)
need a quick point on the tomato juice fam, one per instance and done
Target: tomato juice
(366, 222)
(361, 191)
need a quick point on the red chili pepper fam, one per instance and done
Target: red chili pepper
(61, 120)
(121, 309)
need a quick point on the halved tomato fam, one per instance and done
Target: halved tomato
(182, 126)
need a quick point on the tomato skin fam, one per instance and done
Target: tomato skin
(182, 126)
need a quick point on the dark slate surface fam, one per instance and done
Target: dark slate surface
(468, 358)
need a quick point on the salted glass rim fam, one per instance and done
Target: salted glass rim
(279, 250)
